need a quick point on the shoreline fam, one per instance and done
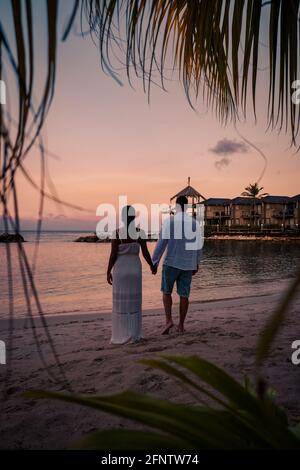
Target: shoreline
(243, 236)
(246, 237)
(105, 314)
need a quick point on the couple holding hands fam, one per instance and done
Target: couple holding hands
(179, 238)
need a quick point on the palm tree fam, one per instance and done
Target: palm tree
(253, 191)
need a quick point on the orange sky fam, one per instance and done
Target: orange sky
(111, 142)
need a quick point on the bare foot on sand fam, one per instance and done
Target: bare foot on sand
(180, 329)
(167, 328)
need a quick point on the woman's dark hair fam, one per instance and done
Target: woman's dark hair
(128, 215)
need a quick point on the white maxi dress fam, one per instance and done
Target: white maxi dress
(127, 295)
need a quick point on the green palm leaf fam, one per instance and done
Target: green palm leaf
(276, 320)
(243, 422)
(197, 427)
(265, 417)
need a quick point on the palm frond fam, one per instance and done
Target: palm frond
(28, 117)
(276, 320)
(204, 40)
(242, 422)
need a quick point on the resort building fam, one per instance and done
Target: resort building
(245, 211)
(296, 201)
(217, 211)
(278, 210)
(268, 211)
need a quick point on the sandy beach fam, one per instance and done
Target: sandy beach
(224, 332)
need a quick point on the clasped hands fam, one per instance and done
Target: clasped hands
(153, 268)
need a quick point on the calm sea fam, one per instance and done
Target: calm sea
(70, 277)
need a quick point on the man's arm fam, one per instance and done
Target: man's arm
(200, 241)
(161, 245)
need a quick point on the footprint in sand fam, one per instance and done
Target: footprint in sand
(12, 390)
(189, 343)
(98, 359)
(235, 335)
(157, 349)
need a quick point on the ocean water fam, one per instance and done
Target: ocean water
(71, 277)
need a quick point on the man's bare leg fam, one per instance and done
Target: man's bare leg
(167, 300)
(183, 309)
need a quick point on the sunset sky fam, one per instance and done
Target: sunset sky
(112, 142)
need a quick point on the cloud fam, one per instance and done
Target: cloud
(222, 163)
(229, 147)
(226, 147)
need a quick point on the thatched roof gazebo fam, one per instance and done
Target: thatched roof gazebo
(194, 197)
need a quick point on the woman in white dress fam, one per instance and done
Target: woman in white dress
(124, 273)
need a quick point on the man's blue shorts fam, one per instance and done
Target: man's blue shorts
(182, 278)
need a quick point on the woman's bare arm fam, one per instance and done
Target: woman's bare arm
(146, 254)
(112, 259)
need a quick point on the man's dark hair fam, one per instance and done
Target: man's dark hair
(128, 214)
(182, 201)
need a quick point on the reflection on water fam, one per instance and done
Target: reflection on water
(72, 276)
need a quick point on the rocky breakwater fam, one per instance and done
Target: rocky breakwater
(92, 239)
(11, 238)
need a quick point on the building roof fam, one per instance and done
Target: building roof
(247, 201)
(277, 199)
(296, 198)
(215, 201)
(188, 191)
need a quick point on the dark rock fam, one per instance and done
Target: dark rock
(92, 239)
(11, 238)
(87, 239)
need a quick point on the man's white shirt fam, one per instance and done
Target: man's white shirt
(181, 236)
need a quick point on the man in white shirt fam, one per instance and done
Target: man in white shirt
(181, 237)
